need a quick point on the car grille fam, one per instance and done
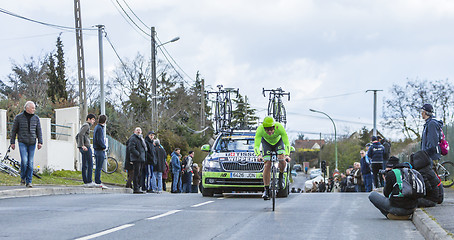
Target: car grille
(243, 166)
(233, 181)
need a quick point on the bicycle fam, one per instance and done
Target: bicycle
(12, 166)
(223, 108)
(445, 171)
(275, 189)
(112, 164)
(275, 105)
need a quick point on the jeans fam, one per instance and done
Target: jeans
(384, 205)
(27, 153)
(100, 156)
(148, 177)
(368, 182)
(187, 182)
(156, 181)
(175, 180)
(87, 165)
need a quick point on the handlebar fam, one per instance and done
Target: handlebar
(277, 92)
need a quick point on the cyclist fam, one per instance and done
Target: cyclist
(273, 137)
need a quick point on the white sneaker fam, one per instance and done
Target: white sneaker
(89, 185)
(101, 186)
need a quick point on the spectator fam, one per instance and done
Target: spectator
(195, 178)
(387, 145)
(421, 162)
(165, 175)
(99, 145)
(83, 143)
(430, 136)
(187, 172)
(393, 207)
(330, 185)
(160, 167)
(128, 165)
(27, 127)
(176, 169)
(350, 186)
(322, 186)
(137, 151)
(357, 177)
(375, 153)
(147, 172)
(366, 171)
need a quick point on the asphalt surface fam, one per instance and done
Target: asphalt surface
(59, 212)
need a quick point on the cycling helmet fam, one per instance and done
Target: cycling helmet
(268, 122)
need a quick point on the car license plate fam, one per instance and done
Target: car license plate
(242, 175)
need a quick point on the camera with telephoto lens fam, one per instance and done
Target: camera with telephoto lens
(382, 171)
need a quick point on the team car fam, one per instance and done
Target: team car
(231, 165)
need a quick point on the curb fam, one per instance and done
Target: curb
(428, 227)
(34, 192)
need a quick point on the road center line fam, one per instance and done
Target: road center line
(164, 214)
(105, 232)
(201, 204)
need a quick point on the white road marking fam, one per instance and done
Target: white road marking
(105, 232)
(201, 204)
(164, 214)
(221, 198)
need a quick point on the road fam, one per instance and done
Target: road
(191, 216)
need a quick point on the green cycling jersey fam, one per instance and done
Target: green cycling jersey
(279, 132)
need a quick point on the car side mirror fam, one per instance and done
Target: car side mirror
(206, 148)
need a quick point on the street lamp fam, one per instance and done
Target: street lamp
(154, 112)
(335, 133)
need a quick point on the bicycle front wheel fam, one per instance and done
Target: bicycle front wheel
(112, 165)
(446, 173)
(273, 185)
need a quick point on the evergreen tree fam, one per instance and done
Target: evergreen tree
(56, 90)
(243, 117)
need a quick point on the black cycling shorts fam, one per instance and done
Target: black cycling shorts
(279, 148)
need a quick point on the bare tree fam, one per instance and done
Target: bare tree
(403, 110)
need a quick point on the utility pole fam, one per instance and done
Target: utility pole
(154, 117)
(375, 110)
(80, 63)
(101, 69)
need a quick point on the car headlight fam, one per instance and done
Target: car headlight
(211, 165)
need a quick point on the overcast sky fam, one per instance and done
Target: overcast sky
(316, 50)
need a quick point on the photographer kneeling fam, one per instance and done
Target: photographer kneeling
(392, 205)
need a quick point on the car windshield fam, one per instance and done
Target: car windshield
(234, 144)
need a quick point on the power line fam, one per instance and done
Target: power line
(119, 11)
(334, 96)
(42, 23)
(136, 15)
(127, 15)
(175, 62)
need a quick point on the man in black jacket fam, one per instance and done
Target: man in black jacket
(27, 127)
(375, 154)
(393, 207)
(149, 164)
(137, 150)
(434, 189)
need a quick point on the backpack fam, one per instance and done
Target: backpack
(409, 184)
(444, 145)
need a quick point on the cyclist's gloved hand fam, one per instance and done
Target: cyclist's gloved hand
(288, 159)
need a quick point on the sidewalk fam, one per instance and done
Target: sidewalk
(43, 190)
(437, 222)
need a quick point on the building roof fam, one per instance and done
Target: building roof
(309, 144)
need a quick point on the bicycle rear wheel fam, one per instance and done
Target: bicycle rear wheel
(446, 173)
(112, 165)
